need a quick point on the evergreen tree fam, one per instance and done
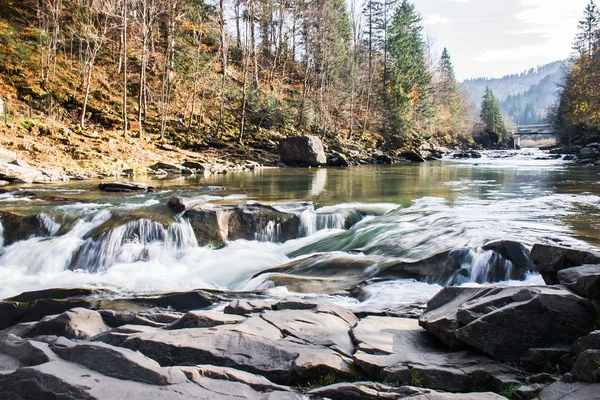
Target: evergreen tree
(409, 79)
(490, 114)
(449, 116)
(586, 41)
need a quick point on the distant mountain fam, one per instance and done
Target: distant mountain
(525, 97)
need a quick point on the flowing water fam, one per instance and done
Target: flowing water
(356, 220)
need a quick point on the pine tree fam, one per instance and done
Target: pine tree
(586, 41)
(447, 98)
(490, 114)
(409, 78)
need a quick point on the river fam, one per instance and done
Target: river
(403, 212)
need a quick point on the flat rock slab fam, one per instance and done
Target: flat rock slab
(62, 380)
(256, 382)
(371, 390)
(571, 391)
(116, 362)
(253, 346)
(205, 319)
(398, 350)
(498, 321)
(320, 329)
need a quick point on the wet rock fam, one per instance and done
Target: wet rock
(14, 312)
(372, 390)
(178, 301)
(306, 151)
(498, 322)
(467, 154)
(587, 366)
(194, 165)
(413, 156)
(337, 160)
(380, 158)
(551, 259)
(59, 294)
(168, 167)
(566, 150)
(204, 319)
(18, 227)
(124, 187)
(571, 391)
(247, 307)
(584, 280)
(78, 323)
(263, 223)
(116, 362)
(210, 224)
(514, 252)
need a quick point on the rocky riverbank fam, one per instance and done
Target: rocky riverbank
(477, 343)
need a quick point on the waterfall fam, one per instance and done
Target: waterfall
(481, 267)
(270, 233)
(49, 224)
(1, 236)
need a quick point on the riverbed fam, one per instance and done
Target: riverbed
(399, 213)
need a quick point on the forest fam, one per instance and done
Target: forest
(229, 73)
(577, 114)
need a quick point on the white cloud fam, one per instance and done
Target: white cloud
(435, 19)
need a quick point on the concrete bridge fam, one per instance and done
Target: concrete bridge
(534, 136)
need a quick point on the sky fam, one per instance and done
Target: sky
(493, 38)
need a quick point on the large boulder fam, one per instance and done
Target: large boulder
(125, 187)
(18, 227)
(305, 151)
(499, 322)
(78, 323)
(584, 280)
(571, 391)
(551, 259)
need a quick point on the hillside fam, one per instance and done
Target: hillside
(108, 84)
(523, 97)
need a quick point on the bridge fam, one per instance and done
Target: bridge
(534, 136)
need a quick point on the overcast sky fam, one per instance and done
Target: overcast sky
(492, 38)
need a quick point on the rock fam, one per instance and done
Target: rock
(78, 323)
(13, 312)
(7, 156)
(587, 366)
(27, 352)
(397, 350)
(375, 391)
(22, 174)
(320, 307)
(380, 158)
(247, 307)
(584, 280)
(446, 268)
(571, 391)
(514, 252)
(210, 224)
(320, 329)
(59, 294)
(204, 319)
(498, 322)
(263, 223)
(566, 150)
(306, 151)
(587, 342)
(252, 346)
(119, 318)
(168, 167)
(194, 165)
(120, 187)
(115, 362)
(527, 392)
(551, 259)
(546, 359)
(413, 156)
(256, 382)
(67, 381)
(337, 160)
(18, 227)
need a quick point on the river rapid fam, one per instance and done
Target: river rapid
(398, 213)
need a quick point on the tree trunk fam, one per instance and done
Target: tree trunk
(125, 67)
(223, 68)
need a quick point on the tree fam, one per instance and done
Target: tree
(586, 41)
(409, 79)
(447, 98)
(491, 116)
